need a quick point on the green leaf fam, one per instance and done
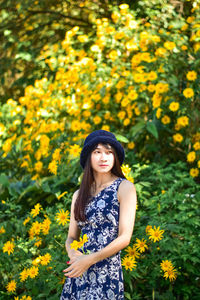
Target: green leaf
(151, 127)
(121, 138)
(137, 128)
(4, 180)
(7, 32)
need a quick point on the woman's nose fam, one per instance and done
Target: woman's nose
(103, 156)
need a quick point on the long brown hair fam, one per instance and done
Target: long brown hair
(84, 194)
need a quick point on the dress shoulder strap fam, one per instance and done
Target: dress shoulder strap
(119, 180)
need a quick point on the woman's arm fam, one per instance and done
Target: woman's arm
(127, 197)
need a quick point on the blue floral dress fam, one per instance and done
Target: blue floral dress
(103, 280)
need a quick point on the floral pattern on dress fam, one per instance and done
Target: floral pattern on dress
(103, 280)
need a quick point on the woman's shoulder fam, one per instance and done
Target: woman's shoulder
(75, 195)
(126, 186)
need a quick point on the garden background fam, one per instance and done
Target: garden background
(71, 67)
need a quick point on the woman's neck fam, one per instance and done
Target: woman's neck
(103, 180)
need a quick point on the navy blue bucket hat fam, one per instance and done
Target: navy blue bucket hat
(100, 136)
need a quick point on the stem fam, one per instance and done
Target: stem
(153, 294)
(58, 243)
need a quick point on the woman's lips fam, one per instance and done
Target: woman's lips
(103, 165)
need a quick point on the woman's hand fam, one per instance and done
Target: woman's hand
(74, 253)
(78, 265)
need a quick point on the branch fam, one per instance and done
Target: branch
(57, 13)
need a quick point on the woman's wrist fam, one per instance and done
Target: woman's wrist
(93, 257)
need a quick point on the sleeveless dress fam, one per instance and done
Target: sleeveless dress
(103, 280)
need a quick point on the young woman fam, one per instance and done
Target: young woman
(104, 209)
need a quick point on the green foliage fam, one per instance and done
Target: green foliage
(167, 197)
(48, 283)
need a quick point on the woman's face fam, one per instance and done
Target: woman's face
(102, 159)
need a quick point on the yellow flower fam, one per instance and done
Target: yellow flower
(194, 172)
(141, 245)
(161, 87)
(160, 51)
(174, 106)
(121, 115)
(191, 75)
(38, 166)
(121, 83)
(75, 150)
(198, 164)
(126, 122)
(125, 102)
(130, 178)
(196, 146)
(178, 137)
(126, 169)
(35, 229)
(38, 243)
(156, 100)
(152, 76)
(75, 125)
(191, 156)
(83, 38)
(184, 27)
(166, 265)
(131, 145)
(165, 120)
(115, 16)
(83, 240)
(155, 234)
(56, 155)
(188, 93)
(37, 260)
(33, 272)
(45, 226)
(190, 19)
(124, 6)
(53, 167)
(11, 286)
(62, 217)
(2, 129)
(129, 263)
(169, 45)
(171, 274)
(184, 47)
(138, 77)
(74, 245)
(132, 251)
(148, 228)
(183, 121)
(61, 195)
(8, 247)
(26, 221)
(24, 275)
(96, 120)
(79, 244)
(158, 113)
(106, 127)
(36, 210)
(113, 55)
(45, 259)
(2, 230)
(132, 95)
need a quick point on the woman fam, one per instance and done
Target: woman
(104, 209)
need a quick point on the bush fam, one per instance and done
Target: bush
(167, 198)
